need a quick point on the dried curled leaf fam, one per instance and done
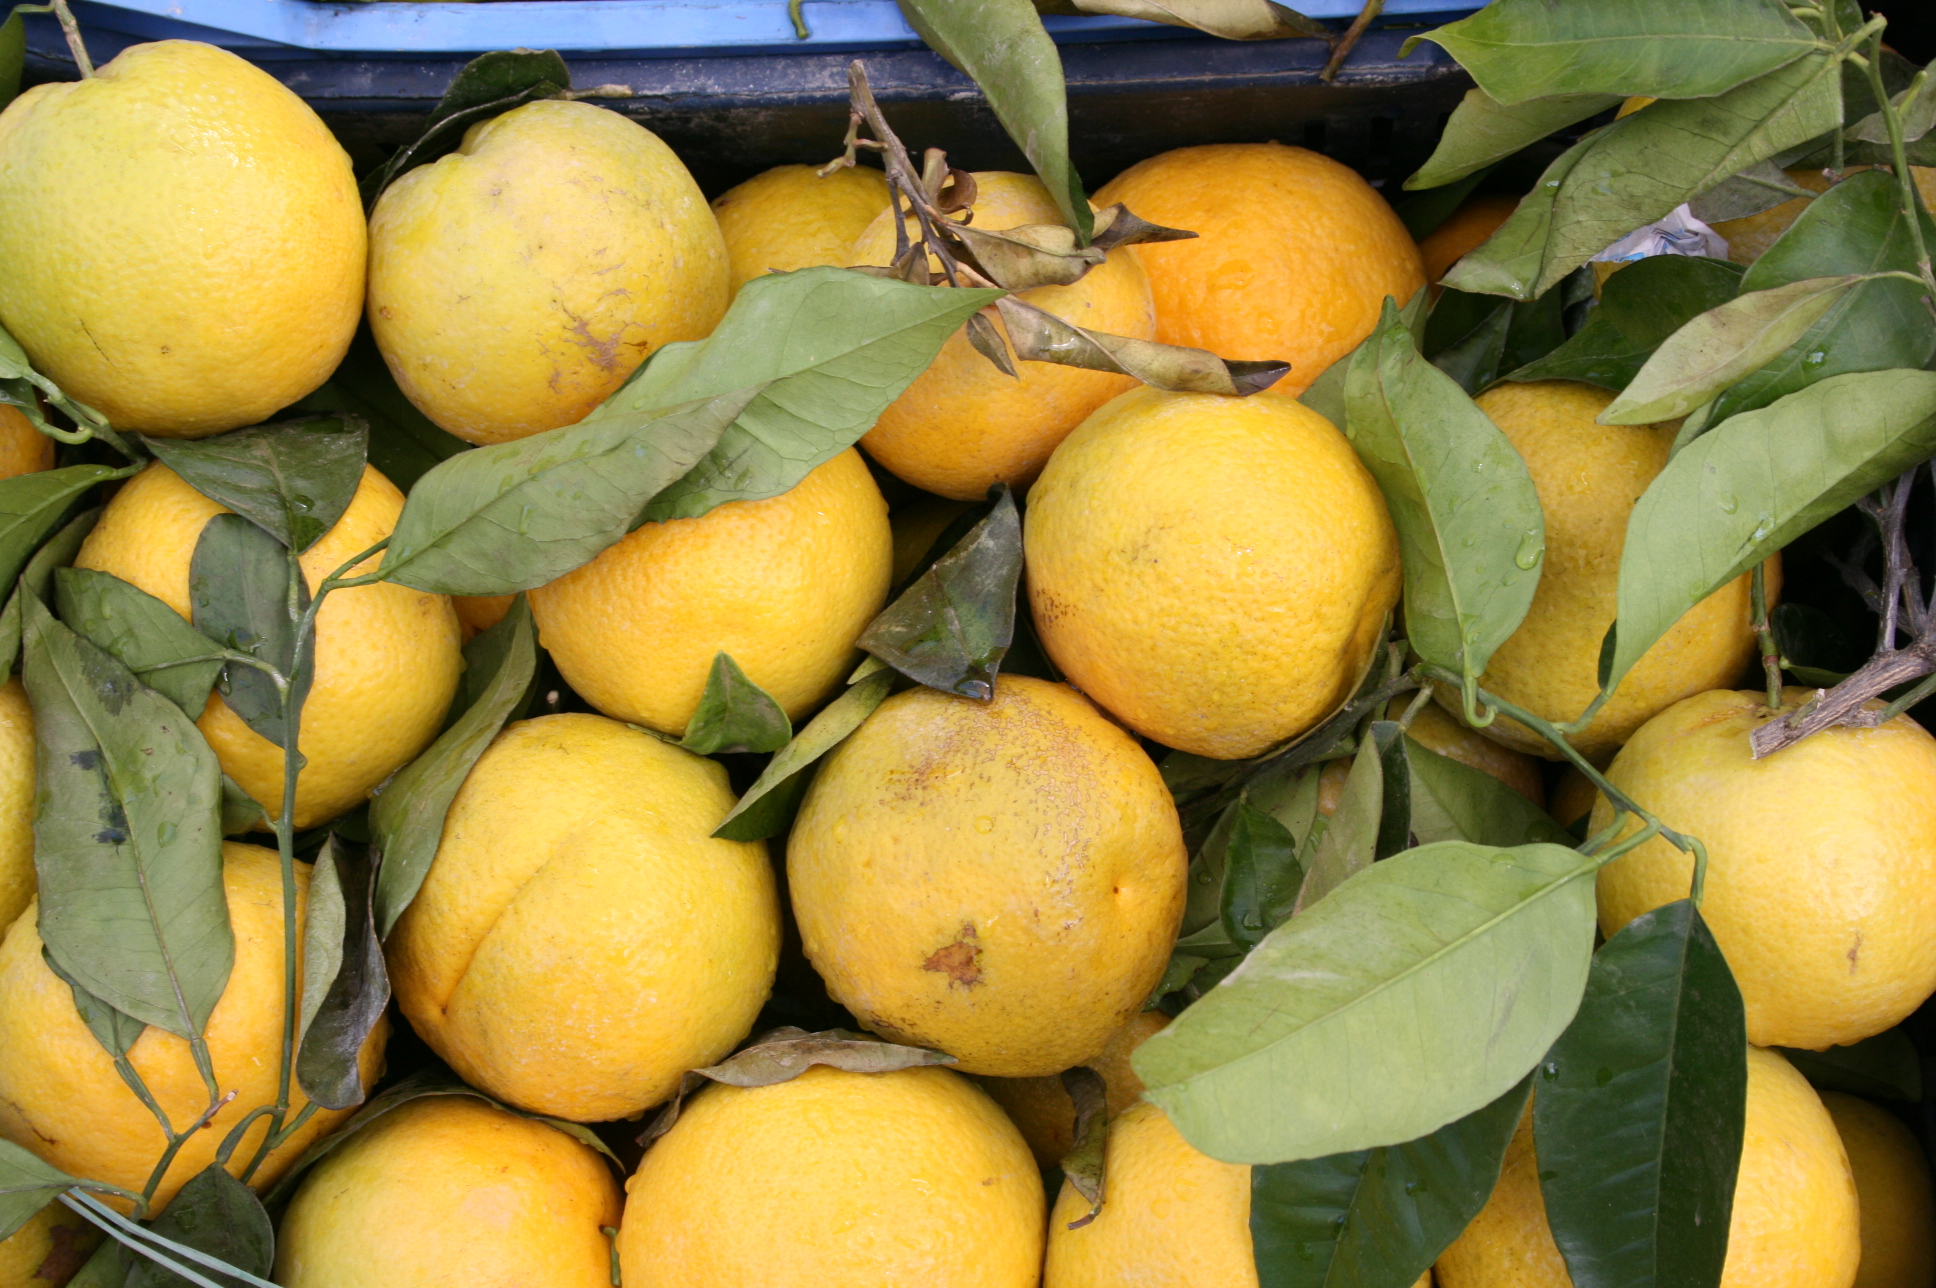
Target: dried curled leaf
(1083, 1165)
(1231, 19)
(1116, 226)
(1039, 336)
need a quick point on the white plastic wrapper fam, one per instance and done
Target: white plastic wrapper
(1680, 233)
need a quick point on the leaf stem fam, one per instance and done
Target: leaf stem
(1905, 180)
(1765, 637)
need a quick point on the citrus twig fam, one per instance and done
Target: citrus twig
(1341, 49)
(1765, 637)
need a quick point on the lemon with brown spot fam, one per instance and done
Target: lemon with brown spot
(792, 217)
(23, 449)
(1216, 572)
(62, 1098)
(517, 282)
(450, 1189)
(387, 656)
(1001, 881)
(49, 1250)
(963, 426)
(893, 1180)
(1894, 1192)
(1041, 1107)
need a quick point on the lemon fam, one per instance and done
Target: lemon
(581, 940)
(1893, 1186)
(791, 217)
(62, 1098)
(1214, 571)
(23, 449)
(785, 586)
(891, 1180)
(47, 1251)
(1821, 877)
(387, 656)
(1588, 477)
(517, 282)
(1041, 1107)
(16, 801)
(963, 425)
(1573, 796)
(181, 240)
(1294, 256)
(479, 613)
(1794, 1223)
(1001, 881)
(1467, 228)
(448, 1189)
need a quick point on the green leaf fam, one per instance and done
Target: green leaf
(1455, 802)
(1641, 167)
(107, 1268)
(1916, 115)
(951, 628)
(19, 380)
(1526, 49)
(1482, 130)
(1884, 1067)
(26, 1184)
(1378, 1217)
(36, 578)
(127, 836)
(407, 815)
(1512, 334)
(32, 505)
(1641, 1106)
(487, 86)
(1748, 487)
(216, 1214)
(13, 55)
(344, 972)
(1762, 186)
(144, 634)
(1261, 876)
(735, 714)
(240, 584)
(1374, 816)
(832, 347)
(772, 799)
(1640, 306)
(117, 1033)
(1325, 395)
(404, 443)
(293, 479)
(1002, 47)
(1417, 991)
(1469, 523)
(1230, 19)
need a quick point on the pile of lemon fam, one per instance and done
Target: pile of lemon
(183, 247)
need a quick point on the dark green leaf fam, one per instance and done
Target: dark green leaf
(334, 1033)
(107, 1268)
(26, 1186)
(1455, 802)
(294, 479)
(1513, 334)
(1640, 306)
(1885, 1067)
(127, 836)
(1469, 523)
(1003, 48)
(32, 505)
(1527, 49)
(487, 86)
(950, 629)
(1261, 876)
(13, 55)
(1638, 1122)
(216, 1214)
(1761, 186)
(1419, 990)
(1483, 130)
(1377, 1218)
(240, 585)
(404, 444)
(1748, 487)
(772, 799)
(1230, 19)
(37, 578)
(407, 815)
(117, 1033)
(146, 635)
(1374, 816)
(735, 714)
(1423, 212)
(241, 812)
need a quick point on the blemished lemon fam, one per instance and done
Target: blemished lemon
(517, 282)
(449, 1189)
(387, 656)
(963, 426)
(1893, 1189)
(1041, 1107)
(1215, 572)
(1588, 477)
(1794, 1223)
(1293, 258)
(957, 866)
(785, 586)
(792, 217)
(1821, 875)
(16, 801)
(1171, 1217)
(1468, 227)
(181, 240)
(61, 1097)
(895, 1180)
(47, 1251)
(581, 940)
(23, 449)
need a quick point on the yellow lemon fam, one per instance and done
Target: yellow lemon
(448, 1189)
(517, 282)
(999, 880)
(1897, 1199)
(1171, 1217)
(1294, 256)
(16, 801)
(387, 656)
(1573, 796)
(581, 940)
(963, 425)
(1794, 1223)
(61, 1097)
(181, 240)
(23, 449)
(1214, 571)
(1588, 477)
(893, 1180)
(1821, 876)
(785, 586)
(47, 1251)
(479, 613)
(1468, 227)
(1041, 1107)
(791, 217)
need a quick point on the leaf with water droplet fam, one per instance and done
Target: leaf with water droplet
(148, 636)
(293, 479)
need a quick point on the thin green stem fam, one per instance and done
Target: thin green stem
(132, 1076)
(1899, 153)
(1765, 637)
(1907, 700)
(175, 1142)
(1419, 699)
